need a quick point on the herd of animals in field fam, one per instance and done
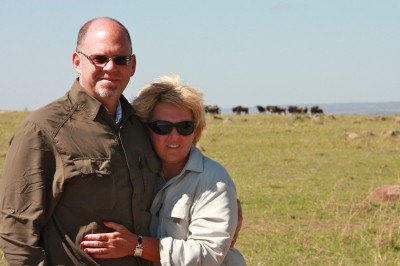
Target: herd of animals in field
(273, 109)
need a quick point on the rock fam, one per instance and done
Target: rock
(389, 133)
(331, 116)
(385, 193)
(352, 135)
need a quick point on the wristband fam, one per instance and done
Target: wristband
(139, 248)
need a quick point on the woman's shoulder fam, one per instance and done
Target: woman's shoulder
(207, 171)
(213, 167)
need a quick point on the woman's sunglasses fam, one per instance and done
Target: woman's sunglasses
(161, 127)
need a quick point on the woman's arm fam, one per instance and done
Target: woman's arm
(119, 243)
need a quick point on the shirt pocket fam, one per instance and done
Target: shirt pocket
(90, 183)
(98, 166)
(178, 218)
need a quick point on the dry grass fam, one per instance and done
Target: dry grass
(303, 183)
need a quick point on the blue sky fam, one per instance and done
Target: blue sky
(257, 52)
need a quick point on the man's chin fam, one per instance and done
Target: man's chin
(107, 93)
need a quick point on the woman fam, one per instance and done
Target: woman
(195, 212)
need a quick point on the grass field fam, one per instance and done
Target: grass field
(303, 184)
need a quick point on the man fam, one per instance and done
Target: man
(81, 160)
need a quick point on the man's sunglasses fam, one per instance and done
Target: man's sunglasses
(161, 127)
(102, 60)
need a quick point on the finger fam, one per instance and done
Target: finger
(97, 251)
(98, 237)
(94, 244)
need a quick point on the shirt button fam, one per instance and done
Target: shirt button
(12, 210)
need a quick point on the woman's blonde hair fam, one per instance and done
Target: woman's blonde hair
(168, 89)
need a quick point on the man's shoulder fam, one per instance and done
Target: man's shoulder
(50, 115)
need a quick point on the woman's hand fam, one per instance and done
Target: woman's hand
(239, 224)
(117, 244)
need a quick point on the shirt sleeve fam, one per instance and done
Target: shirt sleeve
(28, 173)
(234, 258)
(212, 225)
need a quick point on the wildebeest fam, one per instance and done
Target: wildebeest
(260, 108)
(276, 109)
(239, 109)
(297, 110)
(316, 110)
(212, 109)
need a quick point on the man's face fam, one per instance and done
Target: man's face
(105, 83)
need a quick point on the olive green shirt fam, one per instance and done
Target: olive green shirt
(69, 167)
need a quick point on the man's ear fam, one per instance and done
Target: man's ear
(76, 62)
(133, 62)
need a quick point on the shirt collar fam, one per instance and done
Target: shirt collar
(195, 162)
(118, 114)
(92, 106)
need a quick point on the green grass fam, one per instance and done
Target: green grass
(9, 121)
(303, 185)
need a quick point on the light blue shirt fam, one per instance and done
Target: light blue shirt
(118, 114)
(195, 214)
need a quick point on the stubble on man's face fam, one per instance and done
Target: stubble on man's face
(106, 93)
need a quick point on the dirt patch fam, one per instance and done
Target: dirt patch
(385, 193)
